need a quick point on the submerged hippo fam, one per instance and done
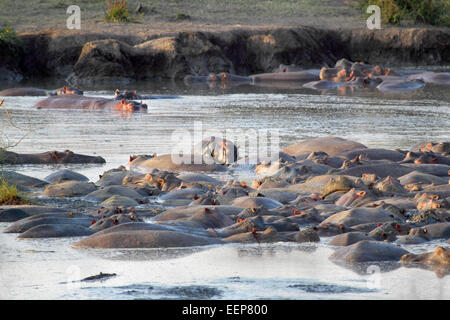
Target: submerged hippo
(400, 85)
(285, 76)
(438, 260)
(330, 145)
(133, 95)
(431, 77)
(49, 157)
(35, 92)
(78, 102)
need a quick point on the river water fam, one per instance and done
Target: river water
(46, 269)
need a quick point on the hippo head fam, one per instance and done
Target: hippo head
(221, 150)
(69, 90)
(129, 105)
(212, 77)
(428, 157)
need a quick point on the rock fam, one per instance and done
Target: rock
(368, 251)
(69, 189)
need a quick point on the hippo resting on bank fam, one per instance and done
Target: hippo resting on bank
(400, 85)
(431, 77)
(79, 102)
(35, 92)
(133, 95)
(49, 157)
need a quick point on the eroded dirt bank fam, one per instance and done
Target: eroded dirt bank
(84, 57)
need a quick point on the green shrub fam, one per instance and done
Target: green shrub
(182, 16)
(433, 12)
(9, 195)
(117, 11)
(9, 36)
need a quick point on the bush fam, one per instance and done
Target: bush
(8, 36)
(9, 195)
(433, 12)
(117, 11)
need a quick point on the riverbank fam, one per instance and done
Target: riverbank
(88, 56)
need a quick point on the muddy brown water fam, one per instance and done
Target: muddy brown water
(45, 269)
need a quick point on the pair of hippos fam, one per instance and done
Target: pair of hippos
(72, 98)
(344, 74)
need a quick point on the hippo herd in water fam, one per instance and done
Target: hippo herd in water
(370, 205)
(345, 74)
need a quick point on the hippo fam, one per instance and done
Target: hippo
(438, 260)
(80, 102)
(35, 92)
(254, 236)
(254, 202)
(358, 216)
(431, 77)
(18, 212)
(132, 95)
(107, 192)
(400, 85)
(349, 238)
(217, 150)
(298, 76)
(55, 231)
(27, 223)
(421, 178)
(229, 77)
(69, 189)
(330, 145)
(113, 220)
(372, 154)
(166, 162)
(65, 175)
(50, 157)
(368, 251)
(22, 181)
(439, 147)
(307, 235)
(145, 239)
(242, 226)
(381, 170)
(432, 231)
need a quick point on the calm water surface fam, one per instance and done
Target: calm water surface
(45, 269)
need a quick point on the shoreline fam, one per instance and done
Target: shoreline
(243, 51)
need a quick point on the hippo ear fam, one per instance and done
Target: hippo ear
(123, 101)
(135, 91)
(131, 158)
(439, 251)
(361, 194)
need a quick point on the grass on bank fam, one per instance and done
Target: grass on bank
(9, 36)
(117, 11)
(432, 12)
(10, 195)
